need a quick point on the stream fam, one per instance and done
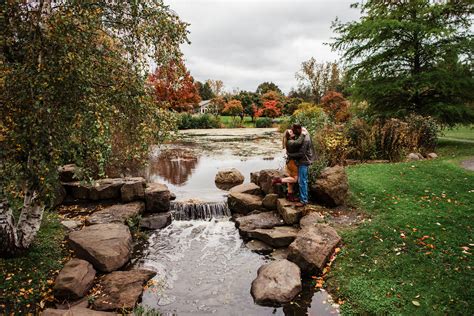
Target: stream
(203, 266)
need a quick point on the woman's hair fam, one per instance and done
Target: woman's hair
(286, 137)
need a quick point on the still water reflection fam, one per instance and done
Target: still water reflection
(189, 166)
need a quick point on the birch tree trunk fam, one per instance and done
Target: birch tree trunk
(15, 239)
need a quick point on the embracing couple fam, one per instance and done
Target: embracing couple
(300, 155)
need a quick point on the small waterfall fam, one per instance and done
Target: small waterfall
(200, 210)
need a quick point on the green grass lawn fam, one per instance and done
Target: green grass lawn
(230, 122)
(413, 256)
(26, 281)
(460, 132)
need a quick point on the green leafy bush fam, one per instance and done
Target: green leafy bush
(201, 121)
(310, 116)
(264, 122)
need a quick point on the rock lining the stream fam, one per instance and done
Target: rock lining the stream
(118, 213)
(122, 289)
(248, 223)
(313, 247)
(244, 203)
(248, 188)
(289, 212)
(107, 246)
(74, 279)
(277, 283)
(280, 236)
(228, 178)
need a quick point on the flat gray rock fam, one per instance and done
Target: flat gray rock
(118, 213)
(248, 223)
(276, 237)
(248, 188)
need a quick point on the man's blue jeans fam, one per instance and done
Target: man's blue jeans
(303, 183)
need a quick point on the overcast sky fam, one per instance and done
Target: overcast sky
(246, 42)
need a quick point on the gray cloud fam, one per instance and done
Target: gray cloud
(244, 42)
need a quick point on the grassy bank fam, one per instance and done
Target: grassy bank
(460, 132)
(230, 122)
(414, 256)
(27, 281)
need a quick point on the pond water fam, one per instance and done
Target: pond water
(203, 266)
(189, 166)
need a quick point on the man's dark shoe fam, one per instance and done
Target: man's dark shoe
(292, 198)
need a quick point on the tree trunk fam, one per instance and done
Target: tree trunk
(15, 239)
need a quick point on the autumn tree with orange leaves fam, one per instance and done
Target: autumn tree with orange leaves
(174, 87)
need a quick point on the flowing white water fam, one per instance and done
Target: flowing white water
(203, 268)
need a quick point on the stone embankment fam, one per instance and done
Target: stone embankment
(299, 239)
(103, 244)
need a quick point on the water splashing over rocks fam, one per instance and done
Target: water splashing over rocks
(191, 210)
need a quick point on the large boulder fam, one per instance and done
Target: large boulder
(248, 188)
(156, 221)
(248, 223)
(243, 203)
(119, 213)
(106, 246)
(106, 189)
(277, 283)
(157, 198)
(74, 280)
(228, 178)
(270, 201)
(122, 289)
(280, 236)
(133, 189)
(289, 212)
(103, 189)
(313, 246)
(331, 187)
(265, 178)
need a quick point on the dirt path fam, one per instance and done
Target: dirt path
(468, 164)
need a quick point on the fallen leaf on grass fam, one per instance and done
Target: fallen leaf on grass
(416, 303)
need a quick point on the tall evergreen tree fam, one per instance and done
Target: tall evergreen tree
(411, 57)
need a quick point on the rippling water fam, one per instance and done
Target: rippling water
(204, 268)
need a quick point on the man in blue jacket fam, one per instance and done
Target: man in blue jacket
(304, 158)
